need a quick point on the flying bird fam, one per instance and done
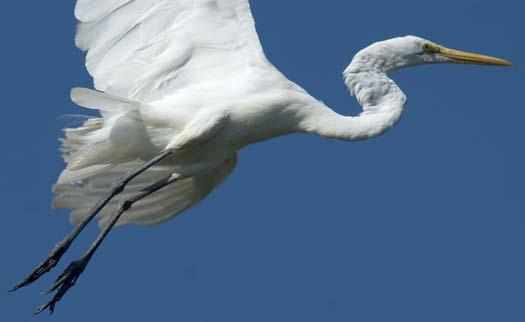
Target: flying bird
(181, 86)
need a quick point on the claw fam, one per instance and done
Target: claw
(60, 279)
(63, 283)
(70, 275)
(44, 267)
(42, 307)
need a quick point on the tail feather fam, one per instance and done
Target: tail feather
(72, 176)
(154, 209)
(104, 149)
(116, 137)
(92, 99)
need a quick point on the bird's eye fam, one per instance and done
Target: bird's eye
(430, 48)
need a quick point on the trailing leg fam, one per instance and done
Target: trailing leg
(63, 245)
(70, 275)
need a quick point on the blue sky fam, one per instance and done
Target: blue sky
(423, 224)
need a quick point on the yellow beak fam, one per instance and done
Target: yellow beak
(463, 57)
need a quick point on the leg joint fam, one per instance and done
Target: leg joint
(118, 186)
(126, 204)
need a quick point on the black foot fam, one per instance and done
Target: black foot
(44, 267)
(63, 283)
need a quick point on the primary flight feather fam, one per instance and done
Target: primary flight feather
(181, 86)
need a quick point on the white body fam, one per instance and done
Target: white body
(191, 75)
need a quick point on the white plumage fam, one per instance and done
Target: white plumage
(147, 49)
(191, 75)
(182, 85)
(145, 55)
(152, 210)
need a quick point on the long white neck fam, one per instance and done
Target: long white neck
(382, 101)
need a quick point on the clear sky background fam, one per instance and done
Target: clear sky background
(425, 223)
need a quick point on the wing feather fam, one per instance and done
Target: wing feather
(143, 49)
(162, 205)
(139, 51)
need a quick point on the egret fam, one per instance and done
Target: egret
(181, 86)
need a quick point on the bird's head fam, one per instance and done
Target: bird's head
(401, 52)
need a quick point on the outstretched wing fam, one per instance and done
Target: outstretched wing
(143, 49)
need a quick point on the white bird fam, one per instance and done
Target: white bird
(182, 85)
